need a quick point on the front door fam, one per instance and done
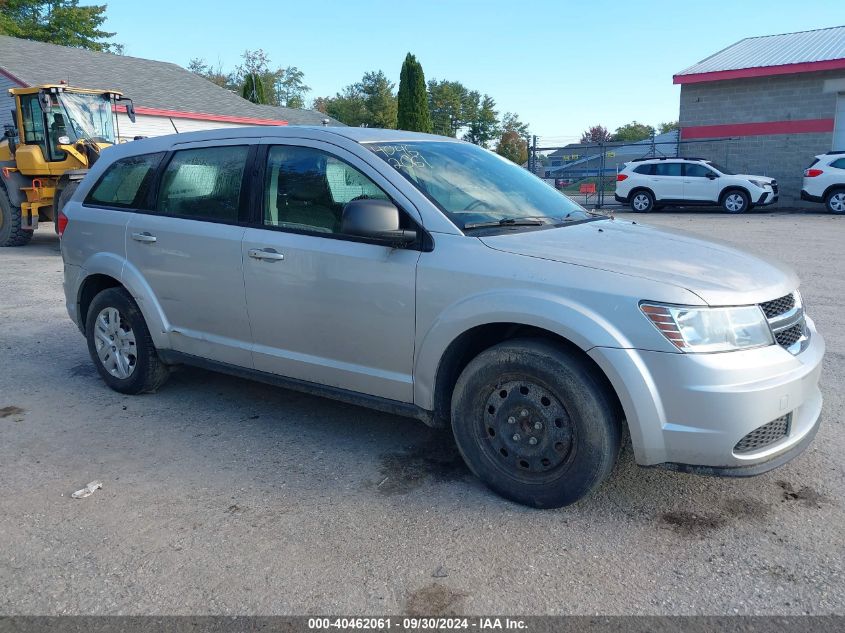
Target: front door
(700, 183)
(325, 307)
(188, 249)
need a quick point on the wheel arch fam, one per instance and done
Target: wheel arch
(831, 189)
(724, 192)
(639, 188)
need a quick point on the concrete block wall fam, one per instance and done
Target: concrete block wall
(763, 99)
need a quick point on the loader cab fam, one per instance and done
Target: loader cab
(52, 120)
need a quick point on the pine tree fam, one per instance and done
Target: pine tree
(413, 113)
(253, 89)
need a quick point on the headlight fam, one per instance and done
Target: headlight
(760, 183)
(697, 329)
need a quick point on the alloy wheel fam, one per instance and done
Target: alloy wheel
(734, 202)
(641, 202)
(837, 202)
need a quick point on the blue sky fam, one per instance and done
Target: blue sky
(561, 65)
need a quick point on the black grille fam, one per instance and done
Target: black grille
(776, 307)
(764, 435)
(774, 186)
(790, 335)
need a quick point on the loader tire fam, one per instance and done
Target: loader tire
(11, 233)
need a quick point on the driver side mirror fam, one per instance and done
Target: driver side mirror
(712, 176)
(130, 111)
(376, 219)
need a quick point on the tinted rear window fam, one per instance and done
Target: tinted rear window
(645, 169)
(667, 169)
(124, 183)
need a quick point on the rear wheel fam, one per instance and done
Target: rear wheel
(535, 423)
(11, 233)
(642, 202)
(835, 201)
(120, 344)
(735, 201)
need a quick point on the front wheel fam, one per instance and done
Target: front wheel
(735, 201)
(535, 423)
(835, 201)
(11, 233)
(642, 202)
(120, 344)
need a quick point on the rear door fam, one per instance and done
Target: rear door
(667, 181)
(700, 183)
(326, 307)
(188, 248)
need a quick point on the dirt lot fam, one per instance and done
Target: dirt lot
(228, 497)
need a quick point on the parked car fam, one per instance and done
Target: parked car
(431, 278)
(824, 181)
(653, 183)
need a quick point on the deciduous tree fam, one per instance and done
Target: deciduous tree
(57, 22)
(596, 134)
(633, 131)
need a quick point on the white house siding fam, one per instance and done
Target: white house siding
(147, 125)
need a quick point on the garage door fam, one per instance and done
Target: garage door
(839, 126)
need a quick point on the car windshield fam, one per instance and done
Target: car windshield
(477, 188)
(90, 116)
(720, 169)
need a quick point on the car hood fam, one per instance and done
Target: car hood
(752, 177)
(718, 273)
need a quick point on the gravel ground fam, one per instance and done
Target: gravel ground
(223, 496)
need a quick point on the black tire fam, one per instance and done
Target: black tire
(642, 201)
(11, 233)
(67, 194)
(735, 201)
(145, 372)
(835, 201)
(567, 456)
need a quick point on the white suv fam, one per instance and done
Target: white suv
(651, 183)
(824, 181)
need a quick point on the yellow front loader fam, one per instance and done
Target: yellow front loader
(57, 133)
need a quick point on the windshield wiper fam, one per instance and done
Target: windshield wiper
(502, 222)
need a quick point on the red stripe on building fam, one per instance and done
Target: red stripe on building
(760, 71)
(202, 116)
(803, 126)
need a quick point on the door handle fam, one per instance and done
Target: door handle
(144, 237)
(267, 254)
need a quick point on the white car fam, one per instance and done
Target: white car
(652, 183)
(824, 181)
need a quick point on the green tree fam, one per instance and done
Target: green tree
(379, 100)
(253, 89)
(288, 87)
(215, 75)
(413, 113)
(633, 131)
(513, 143)
(57, 22)
(483, 125)
(254, 76)
(449, 103)
(669, 126)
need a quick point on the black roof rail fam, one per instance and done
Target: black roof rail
(838, 151)
(639, 160)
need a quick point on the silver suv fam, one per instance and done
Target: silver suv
(431, 278)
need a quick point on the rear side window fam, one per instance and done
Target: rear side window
(124, 183)
(204, 184)
(646, 170)
(667, 169)
(839, 163)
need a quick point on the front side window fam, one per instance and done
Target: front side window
(204, 184)
(307, 188)
(88, 117)
(667, 169)
(696, 171)
(124, 183)
(476, 188)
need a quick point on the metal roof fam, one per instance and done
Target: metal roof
(775, 50)
(150, 84)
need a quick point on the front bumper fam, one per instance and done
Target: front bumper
(767, 197)
(688, 411)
